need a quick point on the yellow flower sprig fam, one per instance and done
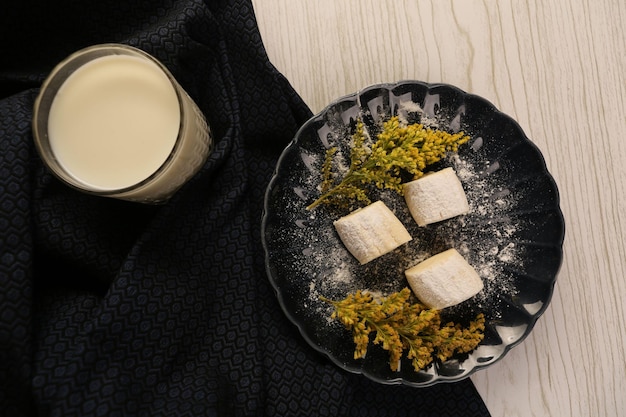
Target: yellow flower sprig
(400, 326)
(399, 148)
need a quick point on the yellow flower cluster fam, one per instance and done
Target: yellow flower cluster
(400, 326)
(399, 149)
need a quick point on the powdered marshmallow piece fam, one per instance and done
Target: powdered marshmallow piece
(435, 197)
(444, 280)
(371, 231)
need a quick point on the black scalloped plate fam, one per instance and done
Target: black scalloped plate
(513, 235)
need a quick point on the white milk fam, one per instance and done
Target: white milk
(114, 121)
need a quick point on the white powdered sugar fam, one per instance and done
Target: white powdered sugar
(488, 230)
(486, 237)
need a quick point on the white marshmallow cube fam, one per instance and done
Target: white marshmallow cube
(371, 231)
(435, 197)
(444, 280)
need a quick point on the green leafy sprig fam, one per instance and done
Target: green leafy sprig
(399, 148)
(400, 326)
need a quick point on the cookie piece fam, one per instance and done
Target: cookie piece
(444, 280)
(371, 231)
(435, 197)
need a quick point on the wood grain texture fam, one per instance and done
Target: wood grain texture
(559, 69)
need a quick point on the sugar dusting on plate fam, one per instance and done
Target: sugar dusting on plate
(485, 237)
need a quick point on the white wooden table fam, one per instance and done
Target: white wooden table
(557, 67)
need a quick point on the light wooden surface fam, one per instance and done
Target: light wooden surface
(557, 67)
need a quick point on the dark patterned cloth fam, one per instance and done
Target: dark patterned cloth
(109, 308)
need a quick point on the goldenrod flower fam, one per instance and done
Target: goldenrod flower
(398, 149)
(400, 326)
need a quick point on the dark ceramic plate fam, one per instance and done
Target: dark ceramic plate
(513, 235)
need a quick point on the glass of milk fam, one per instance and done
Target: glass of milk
(112, 121)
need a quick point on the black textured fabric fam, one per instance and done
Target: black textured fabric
(109, 308)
